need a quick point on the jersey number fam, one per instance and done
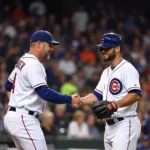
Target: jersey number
(13, 85)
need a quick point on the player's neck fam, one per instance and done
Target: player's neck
(116, 61)
(35, 54)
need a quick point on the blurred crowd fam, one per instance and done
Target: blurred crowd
(76, 64)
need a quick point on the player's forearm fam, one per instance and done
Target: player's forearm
(128, 100)
(52, 96)
(89, 99)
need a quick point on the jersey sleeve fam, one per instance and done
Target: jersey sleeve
(100, 86)
(131, 80)
(36, 76)
(12, 76)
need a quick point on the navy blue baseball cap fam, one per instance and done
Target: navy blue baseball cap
(43, 36)
(110, 40)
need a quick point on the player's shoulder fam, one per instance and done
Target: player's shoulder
(30, 59)
(128, 66)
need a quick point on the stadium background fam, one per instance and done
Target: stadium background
(75, 65)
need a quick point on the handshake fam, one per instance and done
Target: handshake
(76, 101)
(101, 109)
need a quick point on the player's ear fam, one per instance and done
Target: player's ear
(39, 44)
(118, 49)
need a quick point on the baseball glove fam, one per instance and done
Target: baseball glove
(104, 109)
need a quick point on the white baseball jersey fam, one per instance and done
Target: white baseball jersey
(115, 84)
(28, 74)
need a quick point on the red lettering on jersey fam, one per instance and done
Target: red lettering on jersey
(20, 64)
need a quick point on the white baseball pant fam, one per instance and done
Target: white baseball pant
(25, 131)
(123, 135)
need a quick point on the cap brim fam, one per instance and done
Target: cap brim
(55, 42)
(104, 45)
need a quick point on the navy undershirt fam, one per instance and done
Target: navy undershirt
(46, 94)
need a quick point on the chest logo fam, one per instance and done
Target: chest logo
(115, 86)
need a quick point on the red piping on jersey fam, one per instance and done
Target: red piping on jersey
(28, 133)
(10, 80)
(133, 88)
(39, 85)
(129, 134)
(110, 77)
(98, 91)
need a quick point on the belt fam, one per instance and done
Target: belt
(32, 113)
(115, 120)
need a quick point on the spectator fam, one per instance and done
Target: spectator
(37, 8)
(7, 29)
(18, 13)
(87, 55)
(48, 128)
(147, 89)
(55, 78)
(12, 56)
(80, 19)
(79, 78)
(87, 110)
(47, 121)
(93, 130)
(57, 32)
(65, 27)
(145, 143)
(51, 21)
(61, 121)
(67, 65)
(89, 69)
(1, 119)
(3, 74)
(92, 81)
(68, 87)
(147, 122)
(146, 38)
(78, 128)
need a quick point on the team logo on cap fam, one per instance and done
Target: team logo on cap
(115, 86)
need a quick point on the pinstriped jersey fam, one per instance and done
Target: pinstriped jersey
(116, 83)
(28, 74)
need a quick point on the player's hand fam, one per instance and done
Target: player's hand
(76, 102)
(104, 109)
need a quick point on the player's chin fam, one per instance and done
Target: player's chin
(106, 58)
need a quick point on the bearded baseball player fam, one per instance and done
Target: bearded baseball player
(116, 97)
(28, 92)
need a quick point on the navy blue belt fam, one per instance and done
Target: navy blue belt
(115, 120)
(112, 121)
(32, 113)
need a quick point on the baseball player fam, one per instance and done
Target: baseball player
(118, 92)
(28, 92)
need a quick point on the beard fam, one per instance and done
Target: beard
(111, 56)
(48, 57)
